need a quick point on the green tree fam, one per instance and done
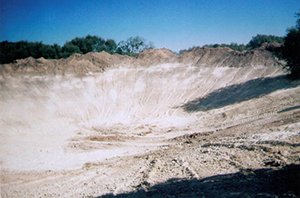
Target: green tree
(110, 46)
(93, 44)
(7, 52)
(69, 49)
(57, 50)
(234, 46)
(10, 51)
(298, 20)
(259, 39)
(133, 46)
(291, 49)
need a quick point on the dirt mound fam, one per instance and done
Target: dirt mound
(91, 62)
(75, 64)
(97, 62)
(228, 57)
(156, 56)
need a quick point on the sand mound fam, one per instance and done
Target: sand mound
(228, 57)
(75, 64)
(97, 62)
(156, 56)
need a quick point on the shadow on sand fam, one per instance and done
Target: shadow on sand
(239, 92)
(282, 182)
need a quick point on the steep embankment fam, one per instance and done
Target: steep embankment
(116, 124)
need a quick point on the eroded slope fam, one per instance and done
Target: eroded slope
(171, 127)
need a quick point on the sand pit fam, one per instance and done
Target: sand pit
(136, 125)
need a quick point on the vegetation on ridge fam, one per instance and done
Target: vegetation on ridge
(286, 48)
(256, 42)
(10, 51)
(291, 49)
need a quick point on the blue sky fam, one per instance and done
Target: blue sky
(174, 24)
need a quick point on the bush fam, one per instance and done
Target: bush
(259, 39)
(133, 46)
(291, 49)
(234, 46)
(10, 51)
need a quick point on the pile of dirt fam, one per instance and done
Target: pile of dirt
(98, 61)
(156, 56)
(227, 57)
(75, 64)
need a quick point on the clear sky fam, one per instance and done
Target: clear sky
(174, 24)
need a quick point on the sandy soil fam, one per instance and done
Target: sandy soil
(162, 130)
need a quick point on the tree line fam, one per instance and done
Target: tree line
(10, 51)
(287, 47)
(256, 42)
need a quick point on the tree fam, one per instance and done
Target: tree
(291, 49)
(10, 51)
(298, 20)
(259, 39)
(93, 44)
(69, 49)
(7, 52)
(133, 46)
(57, 50)
(110, 46)
(234, 46)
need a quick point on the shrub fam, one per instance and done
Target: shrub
(291, 49)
